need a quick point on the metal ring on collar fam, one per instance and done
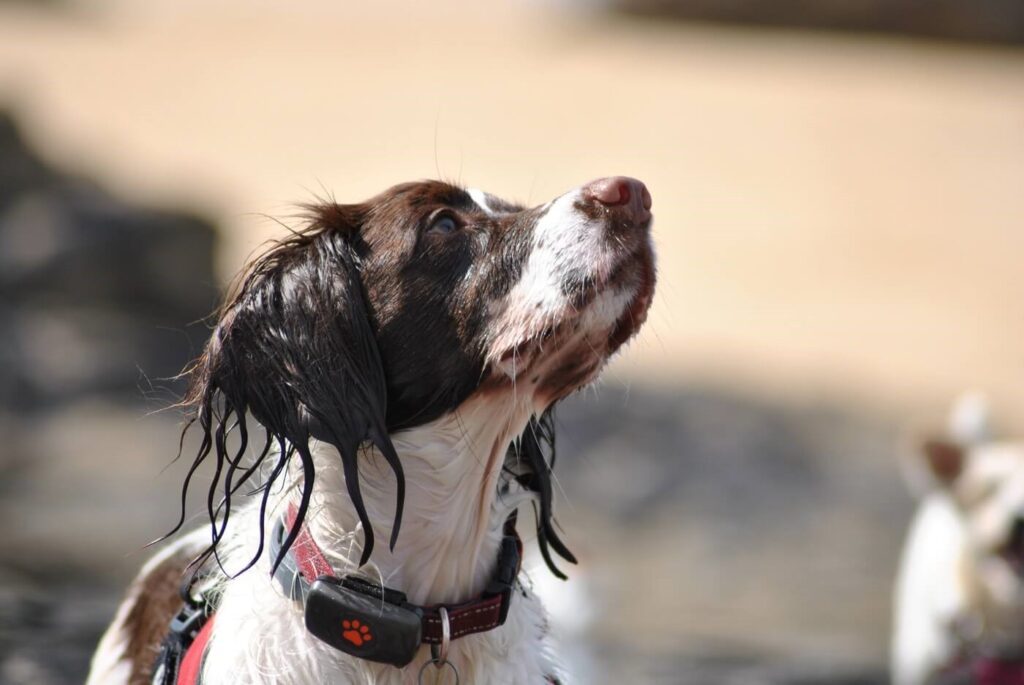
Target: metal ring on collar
(440, 664)
(439, 653)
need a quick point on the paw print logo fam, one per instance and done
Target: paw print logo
(355, 632)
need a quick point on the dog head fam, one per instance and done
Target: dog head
(387, 314)
(985, 481)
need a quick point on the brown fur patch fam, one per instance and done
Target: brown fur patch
(155, 600)
(945, 458)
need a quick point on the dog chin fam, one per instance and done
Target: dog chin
(560, 359)
(634, 314)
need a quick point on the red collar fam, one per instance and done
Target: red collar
(336, 607)
(368, 621)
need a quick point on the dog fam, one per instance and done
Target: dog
(395, 363)
(959, 609)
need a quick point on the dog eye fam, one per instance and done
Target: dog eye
(443, 224)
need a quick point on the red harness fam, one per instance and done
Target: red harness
(190, 671)
(993, 672)
(984, 670)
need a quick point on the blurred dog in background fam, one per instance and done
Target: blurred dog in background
(959, 615)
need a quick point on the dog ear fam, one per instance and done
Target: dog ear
(945, 459)
(295, 350)
(930, 459)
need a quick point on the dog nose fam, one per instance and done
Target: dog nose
(621, 191)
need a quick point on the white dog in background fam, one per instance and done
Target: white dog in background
(959, 610)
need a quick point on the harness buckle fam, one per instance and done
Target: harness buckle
(189, 621)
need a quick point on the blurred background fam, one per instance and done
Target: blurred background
(839, 198)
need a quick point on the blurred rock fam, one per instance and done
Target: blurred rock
(101, 303)
(49, 627)
(999, 21)
(717, 524)
(634, 455)
(97, 298)
(741, 542)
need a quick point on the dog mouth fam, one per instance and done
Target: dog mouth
(600, 315)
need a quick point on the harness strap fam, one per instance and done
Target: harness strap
(190, 671)
(179, 660)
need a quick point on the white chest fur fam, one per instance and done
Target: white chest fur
(930, 592)
(446, 550)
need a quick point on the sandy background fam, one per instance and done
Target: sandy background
(840, 226)
(832, 213)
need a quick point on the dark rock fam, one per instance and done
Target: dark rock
(768, 530)
(99, 300)
(97, 297)
(632, 453)
(999, 21)
(20, 170)
(48, 631)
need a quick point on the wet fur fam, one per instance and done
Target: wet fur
(369, 354)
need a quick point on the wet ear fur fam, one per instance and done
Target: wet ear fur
(294, 350)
